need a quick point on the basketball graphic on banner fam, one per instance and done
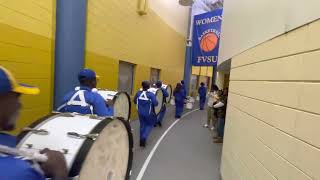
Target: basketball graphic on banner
(206, 38)
(209, 42)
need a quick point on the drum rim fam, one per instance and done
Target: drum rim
(80, 157)
(105, 122)
(123, 92)
(154, 109)
(170, 93)
(117, 95)
(86, 147)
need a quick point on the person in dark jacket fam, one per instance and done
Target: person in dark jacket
(179, 96)
(184, 89)
(203, 95)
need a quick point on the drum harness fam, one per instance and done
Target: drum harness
(32, 157)
(81, 102)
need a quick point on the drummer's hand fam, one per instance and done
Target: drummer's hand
(109, 103)
(55, 166)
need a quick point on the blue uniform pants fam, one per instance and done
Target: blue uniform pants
(179, 110)
(202, 102)
(161, 114)
(146, 125)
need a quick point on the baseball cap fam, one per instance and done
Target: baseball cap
(87, 74)
(9, 84)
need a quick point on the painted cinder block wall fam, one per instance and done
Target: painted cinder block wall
(27, 49)
(273, 115)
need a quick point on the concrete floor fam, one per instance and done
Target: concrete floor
(185, 153)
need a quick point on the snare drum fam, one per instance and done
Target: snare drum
(94, 148)
(169, 90)
(121, 102)
(159, 96)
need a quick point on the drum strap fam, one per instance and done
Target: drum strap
(81, 102)
(143, 96)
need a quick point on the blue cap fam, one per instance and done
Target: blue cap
(9, 84)
(87, 74)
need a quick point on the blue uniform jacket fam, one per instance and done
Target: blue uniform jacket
(184, 91)
(92, 98)
(165, 94)
(179, 97)
(14, 168)
(202, 92)
(145, 103)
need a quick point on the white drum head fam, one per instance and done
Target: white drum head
(122, 106)
(121, 103)
(110, 155)
(159, 96)
(169, 90)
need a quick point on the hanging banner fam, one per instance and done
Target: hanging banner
(206, 37)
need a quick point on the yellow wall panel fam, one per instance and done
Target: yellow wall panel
(26, 54)
(210, 71)
(195, 70)
(27, 49)
(273, 113)
(29, 9)
(48, 5)
(26, 23)
(313, 37)
(26, 70)
(119, 33)
(171, 76)
(12, 35)
(142, 73)
(106, 68)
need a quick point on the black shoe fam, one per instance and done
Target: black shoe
(142, 143)
(160, 124)
(155, 125)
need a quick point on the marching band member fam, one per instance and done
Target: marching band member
(85, 99)
(18, 167)
(179, 95)
(202, 94)
(145, 101)
(184, 89)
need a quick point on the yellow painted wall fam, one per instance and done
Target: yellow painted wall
(26, 49)
(273, 116)
(202, 70)
(116, 32)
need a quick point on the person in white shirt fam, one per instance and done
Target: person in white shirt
(213, 98)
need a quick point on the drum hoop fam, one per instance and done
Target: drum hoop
(123, 92)
(154, 108)
(117, 95)
(130, 160)
(86, 146)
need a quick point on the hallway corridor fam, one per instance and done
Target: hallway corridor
(186, 152)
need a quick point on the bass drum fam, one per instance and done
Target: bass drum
(121, 103)
(159, 96)
(94, 148)
(169, 90)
